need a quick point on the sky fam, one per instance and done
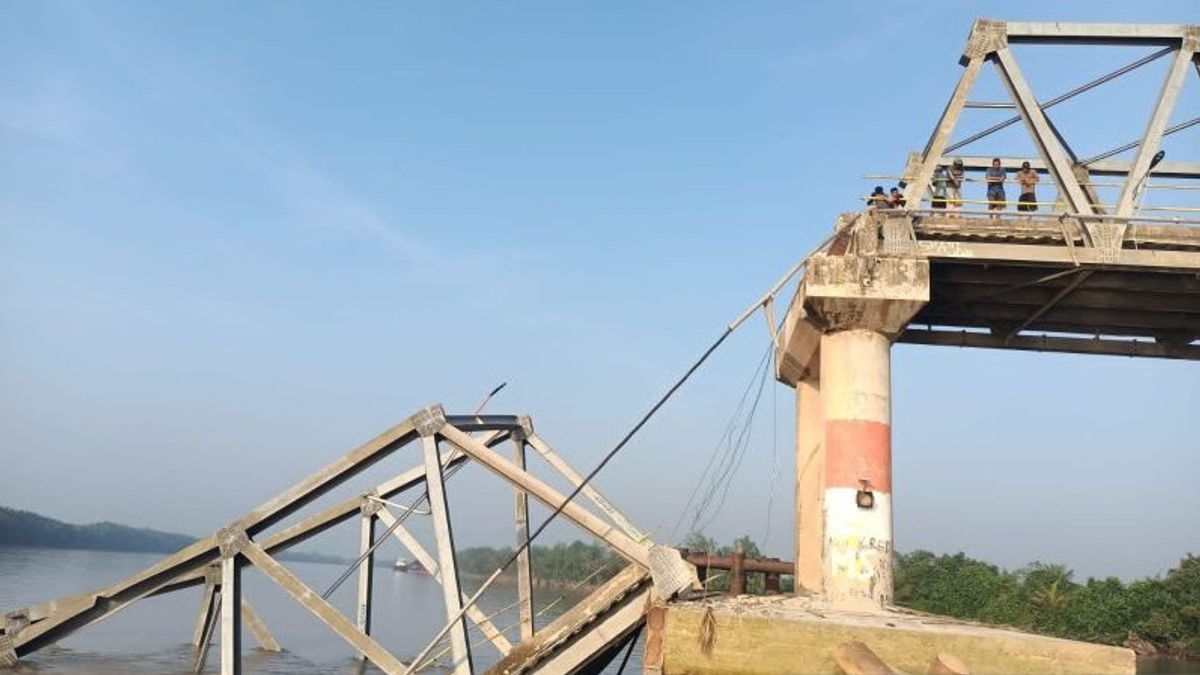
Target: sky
(236, 240)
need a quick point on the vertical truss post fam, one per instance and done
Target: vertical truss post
(325, 612)
(201, 654)
(422, 556)
(231, 603)
(1049, 148)
(524, 572)
(205, 616)
(1152, 139)
(366, 568)
(460, 649)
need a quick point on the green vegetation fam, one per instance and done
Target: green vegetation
(560, 564)
(1150, 615)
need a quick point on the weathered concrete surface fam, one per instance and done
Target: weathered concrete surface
(865, 292)
(857, 529)
(810, 485)
(795, 635)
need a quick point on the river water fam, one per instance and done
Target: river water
(153, 636)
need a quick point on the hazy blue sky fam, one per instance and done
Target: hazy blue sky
(236, 240)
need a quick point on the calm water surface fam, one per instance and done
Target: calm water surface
(154, 635)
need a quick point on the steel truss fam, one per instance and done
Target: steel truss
(446, 442)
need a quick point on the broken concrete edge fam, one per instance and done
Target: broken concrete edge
(842, 292)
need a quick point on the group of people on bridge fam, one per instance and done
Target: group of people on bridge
(946, 187)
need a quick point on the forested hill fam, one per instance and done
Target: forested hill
(22, 528)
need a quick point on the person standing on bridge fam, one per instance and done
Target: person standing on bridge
(1027, 178)
(995, 187)
(957, 178)
(878, 198)
(940, 181)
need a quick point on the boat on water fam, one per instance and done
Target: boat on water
(409, 566)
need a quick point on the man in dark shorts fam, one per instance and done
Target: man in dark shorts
(995, 187)
(1027, 178)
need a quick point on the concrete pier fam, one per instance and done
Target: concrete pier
(856, 397)
(837, 353)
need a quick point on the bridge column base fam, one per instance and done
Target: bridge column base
(773, 634)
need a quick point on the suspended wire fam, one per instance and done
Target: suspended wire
(588, 479)
(737, 453)
(712, 487)
(767, 297)
(632, 641)
(705, 480)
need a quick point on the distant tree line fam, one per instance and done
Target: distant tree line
(24, 528)
(559, 564)
(1152, 615)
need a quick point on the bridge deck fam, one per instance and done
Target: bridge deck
(1047, 282)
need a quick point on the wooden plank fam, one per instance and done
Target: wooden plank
(328, 615)
(460, 648)
(546, 494)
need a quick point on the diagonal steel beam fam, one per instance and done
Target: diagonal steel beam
(477, 617)
(914, 191)
(540, 490)
(1051, 151)
(258, 628)
(1152, 139)
(566, 471)
(1057, 298)
(325, 612)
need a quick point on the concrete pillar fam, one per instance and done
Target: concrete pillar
(810, 488)
(856, 398)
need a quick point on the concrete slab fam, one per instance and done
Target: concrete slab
(799, 635)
